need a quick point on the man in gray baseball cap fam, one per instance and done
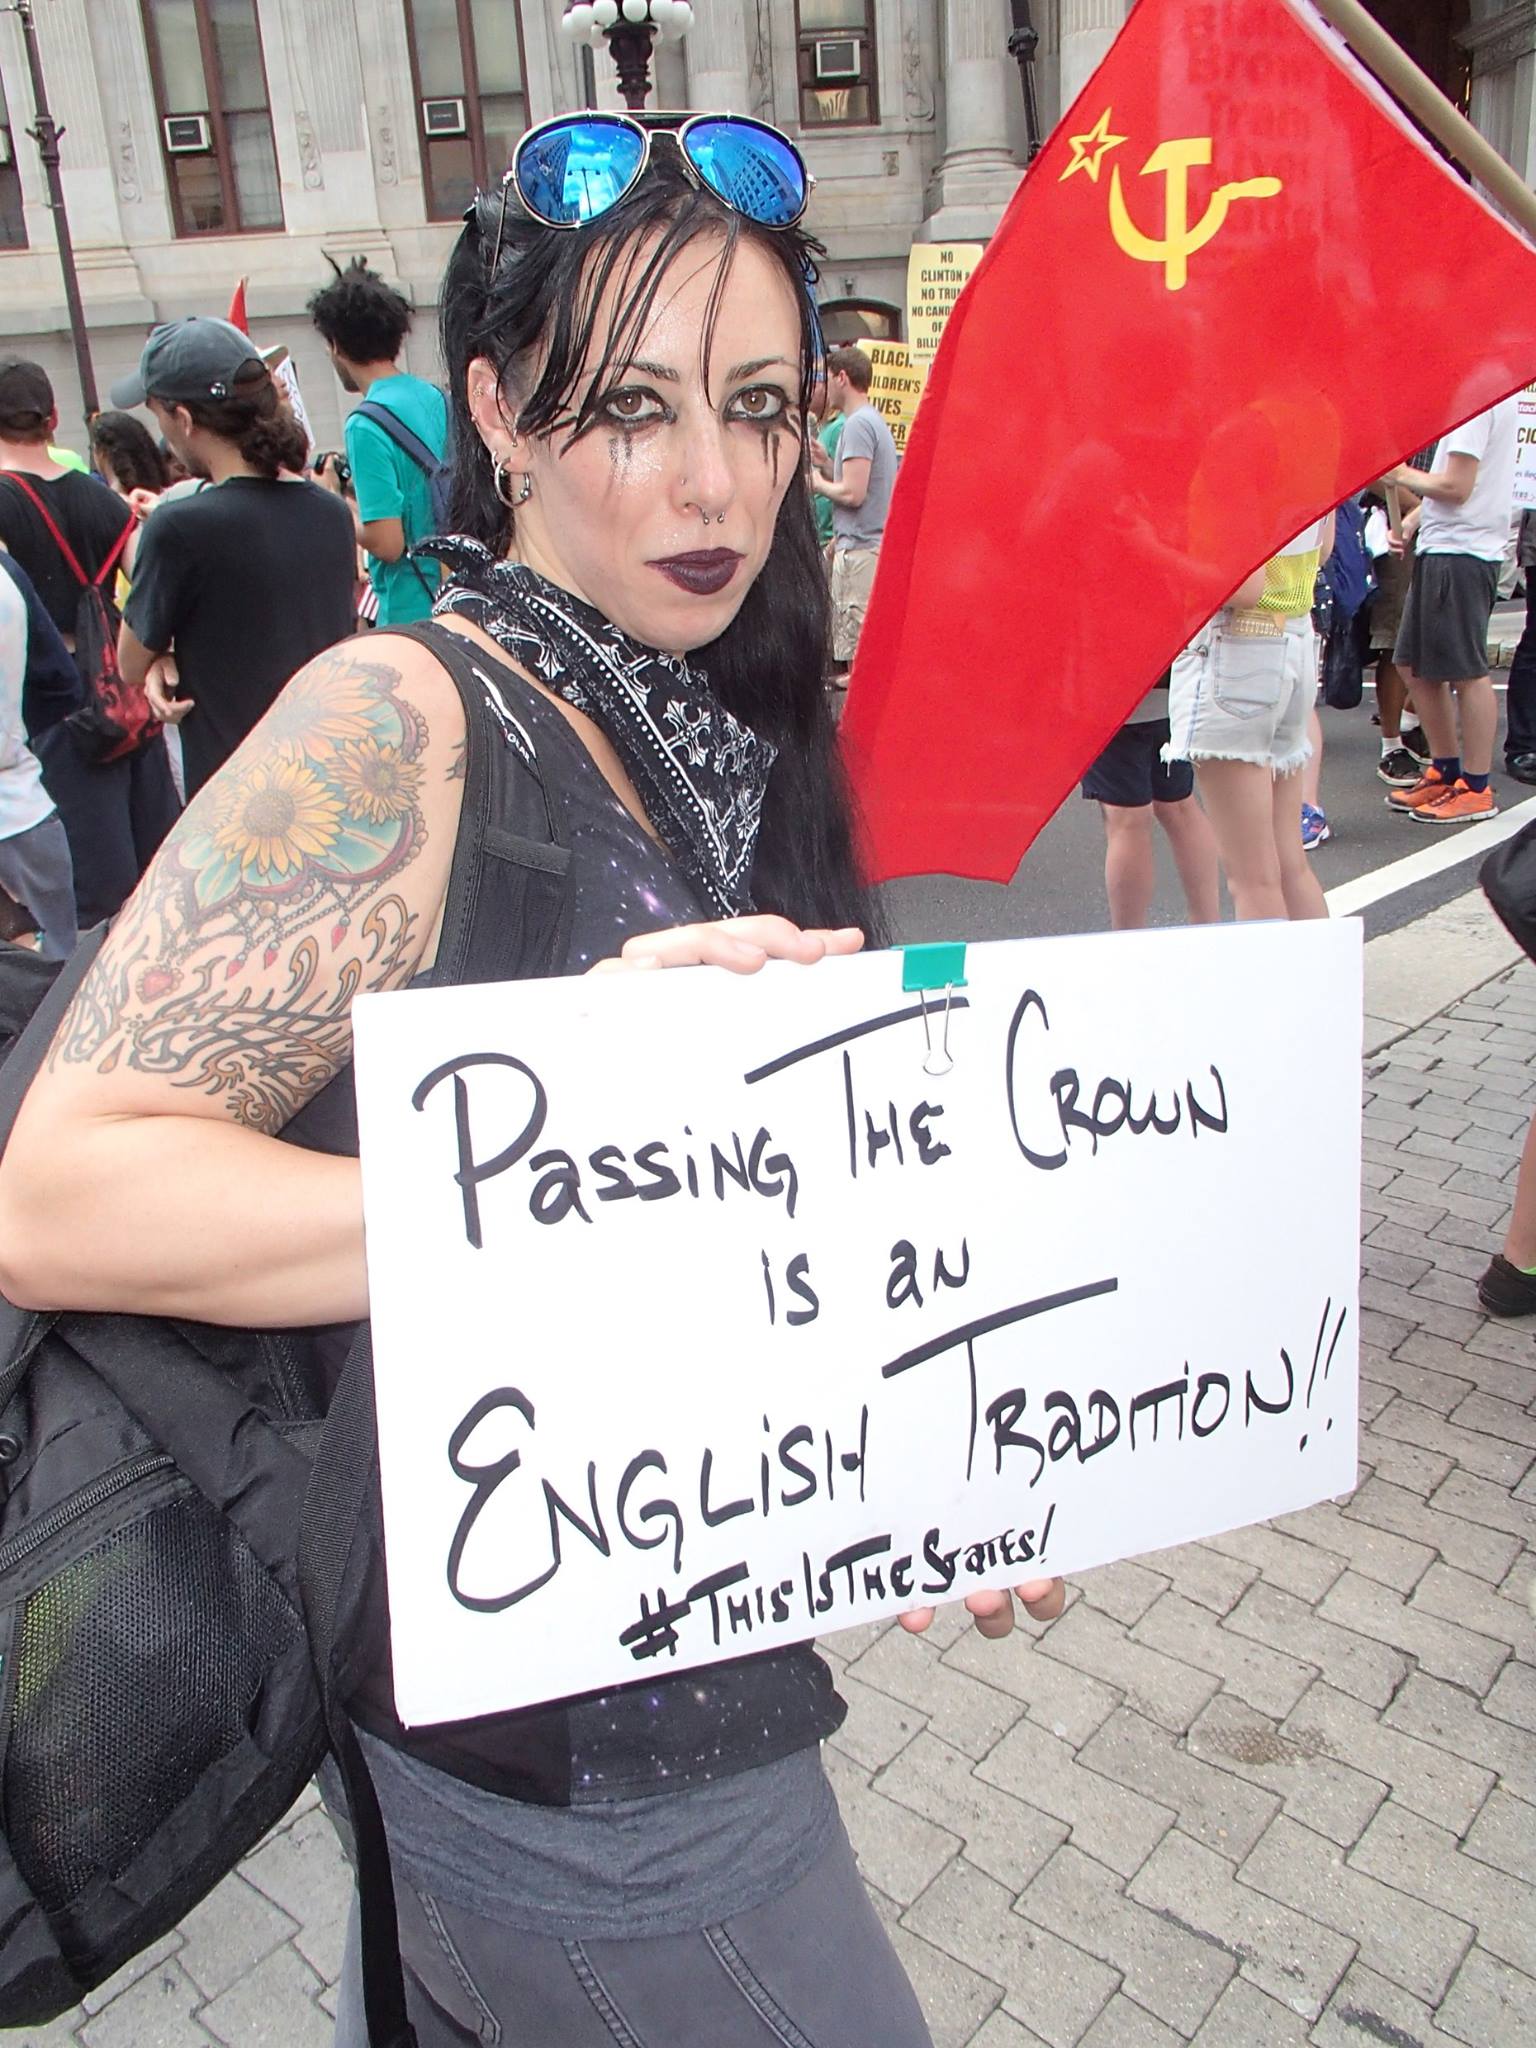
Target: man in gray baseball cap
(190, 359)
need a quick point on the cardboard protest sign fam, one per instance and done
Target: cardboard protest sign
(1525, 450)
(709, 1313)
(937, 273)
(895, 386)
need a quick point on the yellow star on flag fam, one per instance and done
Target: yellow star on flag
(1090, 150)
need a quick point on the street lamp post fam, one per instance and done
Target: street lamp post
(1022, 44)
(629, 28)
(45, 132)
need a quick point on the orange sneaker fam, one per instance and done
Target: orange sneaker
(1457, 805)
(1430, 786)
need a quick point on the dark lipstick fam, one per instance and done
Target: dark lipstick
(702, 571)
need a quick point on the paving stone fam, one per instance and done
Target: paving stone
(1212, 1805)
(1486, 1553)
(1415, 1857)
(1246, 2017)
(1444, 1715)
(1152, 1684)
(954, 1999)
(1444, 1284)
(959, 1709)
(1285, 1561)
(1108, 1821)
(1504, 1834)
(851, 1643)
(1123, 2024)
(1431, 1781)
(1002, 2031)
(1504, 1463)
(1501, 1419)
(1319, 1790)
(59, 2033)
(272, 2006)
(1007, 1838)
(228, 1933)
(1412, 1370)
(1206, 1575)
(1416, 1945)
(1354, 1663)
(1441, 1648)
(1175, 1975)
(1124, 1591)
(1285, 1954)
(304, 1872)
(1392, 1300)
(1410, 1466)
(1519, 1585)
(877, 1727)
(136, 1967)
(1511, 1341)
(1068, 1702)
(1393, 1266)
(1055, 1988)
(155, 2011)
(1367, 2007)
(899, 1852)
(1457, 1597)
(1264, 1678)
(1513, 1697)
(1371, 1551)
(1490, 2005)
(1482, 1500)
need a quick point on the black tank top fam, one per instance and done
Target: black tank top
(667, 1731)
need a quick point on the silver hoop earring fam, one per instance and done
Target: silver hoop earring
(499, 473)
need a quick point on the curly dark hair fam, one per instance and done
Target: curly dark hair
(535, 317)
(361, 315)
(130, 451)
(256, 419)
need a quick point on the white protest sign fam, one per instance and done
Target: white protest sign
(1525, 449)
(706, 1318)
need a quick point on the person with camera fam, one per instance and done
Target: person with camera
(246, 580)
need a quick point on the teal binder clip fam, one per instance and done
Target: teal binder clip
(924, 970)
(932, 967)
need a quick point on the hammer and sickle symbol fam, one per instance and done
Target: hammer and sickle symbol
(1180, 240)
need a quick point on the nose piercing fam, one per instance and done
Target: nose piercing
(719, 518)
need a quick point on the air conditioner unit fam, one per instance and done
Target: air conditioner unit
(838, 58)
(443, 117)
(187, 135)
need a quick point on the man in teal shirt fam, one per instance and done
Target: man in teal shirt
(363, 322)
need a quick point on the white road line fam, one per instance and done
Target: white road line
(1451, 844)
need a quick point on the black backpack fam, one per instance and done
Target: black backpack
(184, 1538)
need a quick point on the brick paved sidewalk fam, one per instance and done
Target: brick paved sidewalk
(1275, 1789)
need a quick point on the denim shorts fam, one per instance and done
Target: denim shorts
(1243, 694)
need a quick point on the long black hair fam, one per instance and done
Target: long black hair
(535, 320)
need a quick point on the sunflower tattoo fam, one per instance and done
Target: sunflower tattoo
(271, 905)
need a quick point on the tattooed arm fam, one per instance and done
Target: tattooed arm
(144, 1173)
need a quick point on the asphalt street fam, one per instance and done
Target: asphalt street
(1059, 886)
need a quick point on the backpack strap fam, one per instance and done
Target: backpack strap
(411, 445)
(506, 916)
(71, 559)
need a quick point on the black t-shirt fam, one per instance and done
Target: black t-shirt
(90, 517)
(247, 581)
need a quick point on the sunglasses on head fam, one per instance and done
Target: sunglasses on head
(572, 170)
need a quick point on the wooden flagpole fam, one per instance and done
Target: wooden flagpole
(1425, 101)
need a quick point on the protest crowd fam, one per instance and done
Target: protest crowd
(565, 662)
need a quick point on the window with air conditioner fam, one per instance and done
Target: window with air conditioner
(210, 80)
(837, 66)
(466, 55)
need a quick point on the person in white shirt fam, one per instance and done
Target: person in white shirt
(35, 867)
(1442, 643)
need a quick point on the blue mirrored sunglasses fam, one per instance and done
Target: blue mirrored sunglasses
(572, 170)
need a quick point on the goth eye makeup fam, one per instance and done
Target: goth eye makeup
(760, 405)
(632, 406)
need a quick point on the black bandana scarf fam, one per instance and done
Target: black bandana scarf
(699, 772)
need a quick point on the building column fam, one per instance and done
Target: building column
(1502, 47)
(1088, 27)
(715, 52)
(977, 173)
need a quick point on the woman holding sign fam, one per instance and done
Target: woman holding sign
(631, 342)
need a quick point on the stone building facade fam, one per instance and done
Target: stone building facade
(210, 140)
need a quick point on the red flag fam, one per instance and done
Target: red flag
(237, 309)
(1234, 287)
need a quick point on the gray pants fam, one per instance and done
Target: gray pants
(36, 869)
(811, 1969)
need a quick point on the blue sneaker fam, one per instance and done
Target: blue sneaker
(1314, 828)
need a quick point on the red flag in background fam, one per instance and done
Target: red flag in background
(1234, 287)
(237, 309)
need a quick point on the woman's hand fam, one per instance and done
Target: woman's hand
(992, 1612)
(161, 686)
(743, 944)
